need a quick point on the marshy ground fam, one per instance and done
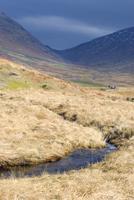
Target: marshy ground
(44, 119)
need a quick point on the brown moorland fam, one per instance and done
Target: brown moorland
(43, 119)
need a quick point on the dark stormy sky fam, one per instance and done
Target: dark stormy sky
(66, 23)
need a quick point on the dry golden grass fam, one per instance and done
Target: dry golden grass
(110, 113)
(110, 180)
(39, 125)
(30, 133)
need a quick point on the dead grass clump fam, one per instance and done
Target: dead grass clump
(93, 110)
(30, 133)
(113, 179)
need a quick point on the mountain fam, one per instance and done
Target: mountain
(113, 52)
(14, 38)
(18, 45)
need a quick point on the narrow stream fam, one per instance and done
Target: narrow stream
(75, 161)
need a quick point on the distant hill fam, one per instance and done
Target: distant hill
(111, 52)
(103, 54)
(14, 38)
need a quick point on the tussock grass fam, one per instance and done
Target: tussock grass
(39, 125)
(113, 115)
(32, 128)
(31, 134)
(113, 179)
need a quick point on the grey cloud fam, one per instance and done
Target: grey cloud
(63, 24)
(87, 18)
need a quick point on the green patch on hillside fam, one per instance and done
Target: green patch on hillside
(13, 79)
(18, 84)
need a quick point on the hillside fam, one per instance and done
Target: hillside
(114, 52)
(15, 39)
(43, 119)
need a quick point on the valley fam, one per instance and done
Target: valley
(66, 117)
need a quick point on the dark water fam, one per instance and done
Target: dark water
(75, 161)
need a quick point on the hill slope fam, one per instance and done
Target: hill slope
(43, 119)
(114, 51)
(14, 38)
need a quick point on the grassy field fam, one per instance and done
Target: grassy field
(43, 119)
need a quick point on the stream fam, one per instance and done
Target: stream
(78, 159)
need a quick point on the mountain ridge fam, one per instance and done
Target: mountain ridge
(113, 50)
(14, 37)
